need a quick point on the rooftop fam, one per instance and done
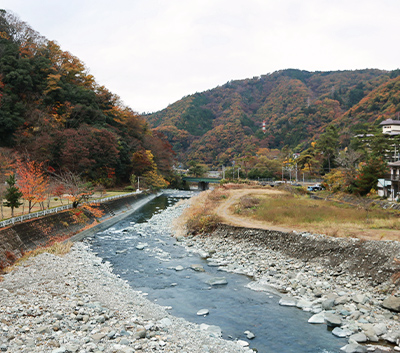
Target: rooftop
(390, 122)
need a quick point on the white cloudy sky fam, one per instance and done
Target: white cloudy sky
(153, 52)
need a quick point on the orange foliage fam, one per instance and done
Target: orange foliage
(32, 181)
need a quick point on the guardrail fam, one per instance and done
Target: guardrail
(56, 210)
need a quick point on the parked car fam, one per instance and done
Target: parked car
(315, 188)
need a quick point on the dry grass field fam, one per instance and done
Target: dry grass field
(268, 208)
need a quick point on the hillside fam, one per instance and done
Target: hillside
(225, 122)
(52, 110)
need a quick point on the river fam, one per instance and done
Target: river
(142, 252)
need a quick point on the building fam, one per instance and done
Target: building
(389, 187)
(395, 180)
(390, 127)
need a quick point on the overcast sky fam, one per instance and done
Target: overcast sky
(153, 52)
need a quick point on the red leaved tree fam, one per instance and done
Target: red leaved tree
(32, 181)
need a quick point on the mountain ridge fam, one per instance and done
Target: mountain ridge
(223, 123)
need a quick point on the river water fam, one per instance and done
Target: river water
(142, 251)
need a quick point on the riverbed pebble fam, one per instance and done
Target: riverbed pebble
(76, 304)
(351, 304)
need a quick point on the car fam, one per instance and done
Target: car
(315, 188)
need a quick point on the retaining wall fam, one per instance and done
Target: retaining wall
(22, 237)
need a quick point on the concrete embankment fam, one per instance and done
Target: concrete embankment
(22, 237)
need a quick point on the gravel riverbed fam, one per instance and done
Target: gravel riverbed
(76, 303)
(358, 305)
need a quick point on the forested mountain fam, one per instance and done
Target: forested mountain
(224, 123)
(52, 110)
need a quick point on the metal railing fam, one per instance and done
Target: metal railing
(38, 214)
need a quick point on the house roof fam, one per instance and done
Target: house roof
(390, 122)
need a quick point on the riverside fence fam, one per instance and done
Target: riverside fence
(38, 214)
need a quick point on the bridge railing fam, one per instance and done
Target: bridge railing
(38, 214)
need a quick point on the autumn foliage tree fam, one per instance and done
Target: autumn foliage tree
(32, 181)
(52, 108)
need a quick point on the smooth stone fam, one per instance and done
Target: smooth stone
(360, 298)
(392, 303)
(328, 304)
(204, 254)
(317, 318)
(214, 331)
(304, 304)
(341, 300)
(179, 268)
(197, 268)
(339, 332)
(354, 348)
(288, 301)
(165, 322)
(203, 312)
(217, 281)
(242, 343)
(250, 335)
(380, 329)
(359, 337)
(139, 333)
(98, 336)
(333, 320)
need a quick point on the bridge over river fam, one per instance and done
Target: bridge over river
(203, 183)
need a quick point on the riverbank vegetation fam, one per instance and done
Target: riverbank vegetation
(320, 216)
(269, 207)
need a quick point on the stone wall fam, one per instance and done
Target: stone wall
(377, 261)
(22, 237)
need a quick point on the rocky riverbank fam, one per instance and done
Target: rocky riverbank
(76, 304)
(344, 283)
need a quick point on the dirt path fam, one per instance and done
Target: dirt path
(224, 210)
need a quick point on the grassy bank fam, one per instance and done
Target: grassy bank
(297, 211)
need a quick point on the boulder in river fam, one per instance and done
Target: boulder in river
(197, 268)
(288, 301)
(215, 281)
(317, 318)
(203, 312)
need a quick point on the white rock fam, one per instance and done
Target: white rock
(317, 318)
(203, 312)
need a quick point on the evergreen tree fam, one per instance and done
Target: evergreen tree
(13, 195)
(328, 144)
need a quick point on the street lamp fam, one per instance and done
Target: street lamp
(138, 184)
